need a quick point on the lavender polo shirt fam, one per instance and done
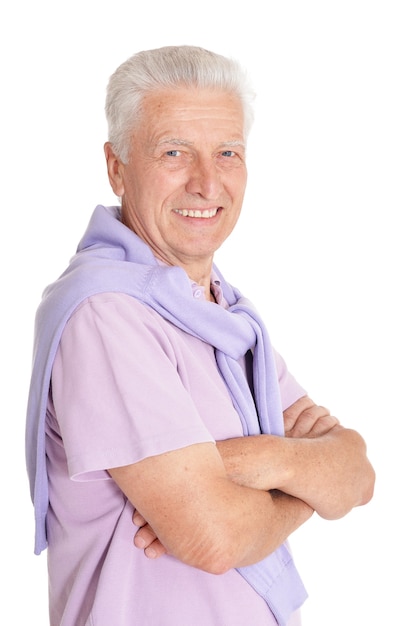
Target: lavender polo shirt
(127, 384)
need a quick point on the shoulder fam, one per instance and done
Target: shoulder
(123, 324)
(116, 307)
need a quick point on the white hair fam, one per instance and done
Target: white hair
(167, 68)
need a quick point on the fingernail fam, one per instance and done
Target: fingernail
(150, 553)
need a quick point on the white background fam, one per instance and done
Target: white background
(325, 245)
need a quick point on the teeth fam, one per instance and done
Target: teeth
(197, 213)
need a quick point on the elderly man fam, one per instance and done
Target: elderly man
(156, 398)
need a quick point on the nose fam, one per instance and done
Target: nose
(204, 179)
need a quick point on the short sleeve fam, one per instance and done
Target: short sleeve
(117, 393)
(290, 389)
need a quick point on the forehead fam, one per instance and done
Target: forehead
(184, 111)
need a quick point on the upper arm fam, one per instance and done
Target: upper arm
(117, 394)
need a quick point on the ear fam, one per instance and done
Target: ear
(114, 170)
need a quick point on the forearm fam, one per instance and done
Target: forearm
(263, 524)
(201, 516)
(250, 539)
(331, 472)
(256, 462)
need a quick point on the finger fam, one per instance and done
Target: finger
(307, 420)
(323, 425)
(146, 540)
(292, 413)
(138, 519)
(155, 550)
(144, 537)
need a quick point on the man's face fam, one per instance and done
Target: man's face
(183, 187)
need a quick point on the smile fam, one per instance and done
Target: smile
(206, 213)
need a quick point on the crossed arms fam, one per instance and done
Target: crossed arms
(216, 507)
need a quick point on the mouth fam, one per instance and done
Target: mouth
(200, 213)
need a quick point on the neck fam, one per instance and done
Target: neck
(197, 273)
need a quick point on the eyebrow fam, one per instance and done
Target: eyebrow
(235, 143)
(175, 141)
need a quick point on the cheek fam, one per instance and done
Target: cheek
(143, 193)
(237, 183)
(161, 185)
(237, 191)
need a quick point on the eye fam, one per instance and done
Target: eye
(228, 153)
(173, 153)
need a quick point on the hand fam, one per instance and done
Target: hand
(306, 419)
(331, 473)
(146, 539)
